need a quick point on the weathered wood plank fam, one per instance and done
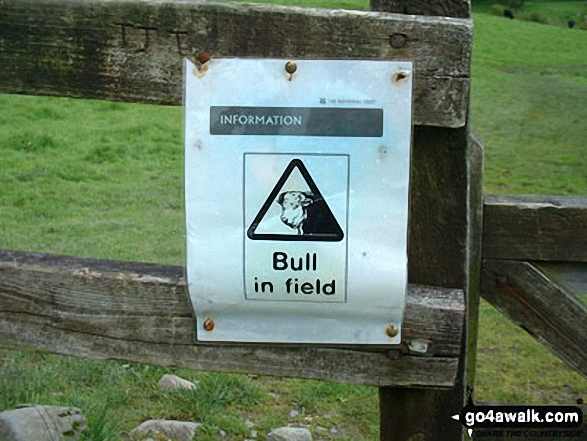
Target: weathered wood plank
(141, 312)
(444, 8)
(443, 250)
(539, 228)
(530, 299)
(476, 156)
(345, 366)
(132, 50)
(439, 217)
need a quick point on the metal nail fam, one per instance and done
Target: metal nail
(392, 331)
(291, 67)
(398, 77)
(397, 41)
(204, 57)
(209, 325)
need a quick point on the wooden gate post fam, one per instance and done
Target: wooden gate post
(443, 250)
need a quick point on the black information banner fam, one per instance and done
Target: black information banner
(296, 121)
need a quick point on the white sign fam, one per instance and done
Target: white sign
(297, 199)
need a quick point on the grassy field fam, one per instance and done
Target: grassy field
(104, 180)
(557, 12)
(529, 81)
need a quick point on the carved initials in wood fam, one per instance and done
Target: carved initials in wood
(180, 37)
(138, 38)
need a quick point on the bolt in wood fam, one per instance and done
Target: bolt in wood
(397, 41)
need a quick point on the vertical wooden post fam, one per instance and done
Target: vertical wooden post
(444, 249)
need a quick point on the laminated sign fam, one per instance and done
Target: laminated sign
(296, 188)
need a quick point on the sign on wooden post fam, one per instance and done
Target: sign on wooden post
(296, 178)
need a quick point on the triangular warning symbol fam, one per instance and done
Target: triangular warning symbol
(303, 213)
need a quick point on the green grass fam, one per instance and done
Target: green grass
(92, 179)
(527, 105)
(556, 13)
(116, 397)
(104, 180)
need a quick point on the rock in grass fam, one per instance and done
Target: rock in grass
(173, 382)
(290, 434)
(42, 423)
(168, 430)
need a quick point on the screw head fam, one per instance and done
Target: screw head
(209, 325)
(397, 41)
(399, 77)
(392, 331)
(204, 57)
(291, 67)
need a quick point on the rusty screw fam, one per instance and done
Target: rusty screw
(209, 325)
(399, 77)
(397, 41)
(392, 331)
(204, 57)
(291, 67)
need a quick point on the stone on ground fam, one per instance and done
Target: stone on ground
(42, 423)
(173, 382)
(171, 430)
(290, 434)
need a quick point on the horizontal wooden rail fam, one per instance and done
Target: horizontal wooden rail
(106, 309)
(556, 318)
(538, 228)
(132, 50)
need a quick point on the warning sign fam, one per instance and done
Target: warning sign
(296, 209)
(296, 196)
(297, 202)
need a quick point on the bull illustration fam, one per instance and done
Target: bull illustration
(294, 212)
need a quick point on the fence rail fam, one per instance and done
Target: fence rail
(133, 50)
(105, 309)
(519, 234)
(528, 297)
(538, 228)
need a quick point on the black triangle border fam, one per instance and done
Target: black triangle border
(337, 237)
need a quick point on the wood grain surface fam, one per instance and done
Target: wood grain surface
(106, 309)
(133, 50)
(549, 313)
(540, 228)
